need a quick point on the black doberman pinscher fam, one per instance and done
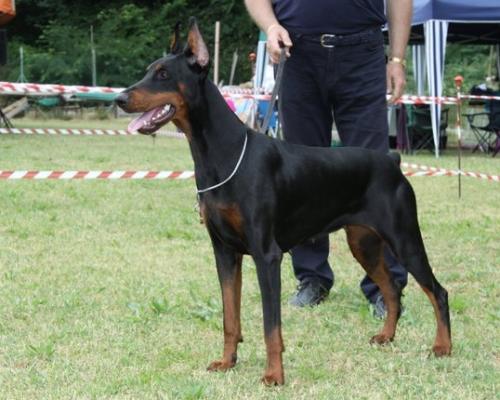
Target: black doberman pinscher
(261, 196)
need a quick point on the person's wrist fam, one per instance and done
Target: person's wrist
(397, 60)
(272, 27)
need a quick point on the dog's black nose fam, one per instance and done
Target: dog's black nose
(121, 100)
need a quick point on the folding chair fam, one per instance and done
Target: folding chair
(486, 128)
(420, 128)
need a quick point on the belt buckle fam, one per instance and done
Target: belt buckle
(326, 36)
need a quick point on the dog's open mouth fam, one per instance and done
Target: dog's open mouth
(152, 120)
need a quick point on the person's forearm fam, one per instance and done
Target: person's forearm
(399, 14)
(277, 36)
(262, 13)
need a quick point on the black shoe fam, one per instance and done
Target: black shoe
(309, 293)
(378, 308)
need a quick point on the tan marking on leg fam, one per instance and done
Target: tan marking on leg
(231, 301)
(367, 248)
(274, 374)
(442, 344)
(382, 279)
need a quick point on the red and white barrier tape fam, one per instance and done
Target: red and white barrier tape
(241, 90)
(433, 171)
(406, 99)
(65, 131)
(477, 97)
(411, 99)
(86, 175)
(246, 96)
(82, 132)
(47, 90)
(179, 175)
(36, 89)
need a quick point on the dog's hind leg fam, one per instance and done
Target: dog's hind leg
(368, 249)
(229, 272)
(406, 241)
(439, 299)
(411, 252)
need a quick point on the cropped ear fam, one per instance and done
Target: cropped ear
(175, 41)
(196, 49)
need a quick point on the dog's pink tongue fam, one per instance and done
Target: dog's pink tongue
(138, 122)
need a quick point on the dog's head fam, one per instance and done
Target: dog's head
(171, 83)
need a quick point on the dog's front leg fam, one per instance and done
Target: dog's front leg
(229, 272)
(268, 272)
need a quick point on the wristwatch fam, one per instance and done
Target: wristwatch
(397, 60)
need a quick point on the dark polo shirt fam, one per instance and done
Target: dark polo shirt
(340, 17)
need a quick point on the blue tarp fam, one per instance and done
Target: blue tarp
(456, 10)
(467, 21)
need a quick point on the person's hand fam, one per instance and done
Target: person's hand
(276, 34)
(396, 80)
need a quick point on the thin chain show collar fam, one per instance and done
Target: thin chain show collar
(199, 191)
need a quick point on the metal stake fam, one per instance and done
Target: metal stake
(459, 80)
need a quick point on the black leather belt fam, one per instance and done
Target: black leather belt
(329, 40)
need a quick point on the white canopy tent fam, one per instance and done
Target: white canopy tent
(462, 21)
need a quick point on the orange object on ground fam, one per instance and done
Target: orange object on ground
(7, 11)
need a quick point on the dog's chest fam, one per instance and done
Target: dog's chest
(225, 220)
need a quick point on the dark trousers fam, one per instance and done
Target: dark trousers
(346, 83)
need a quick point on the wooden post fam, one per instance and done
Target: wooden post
(216, 53)
(233, 67)
(93, 61)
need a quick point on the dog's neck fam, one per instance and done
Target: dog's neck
(217, 136)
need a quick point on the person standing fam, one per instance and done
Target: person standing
(336, 71)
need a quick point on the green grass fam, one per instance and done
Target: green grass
(108, 290)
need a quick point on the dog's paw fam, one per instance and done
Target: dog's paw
(220, 365)
(381, 339)
(273, 378)
(441, 350)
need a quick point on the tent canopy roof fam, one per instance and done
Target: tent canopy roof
(470, 21)
(469, 33)
(456, 10)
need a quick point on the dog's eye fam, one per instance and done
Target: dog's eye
(162, 74)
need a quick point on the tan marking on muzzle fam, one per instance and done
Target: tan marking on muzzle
(141, 100)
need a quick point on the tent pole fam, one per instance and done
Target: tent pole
(216, 52)
(459, 80)
(435, 48)
(498, 61)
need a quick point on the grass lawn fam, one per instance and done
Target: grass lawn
(108, 289)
